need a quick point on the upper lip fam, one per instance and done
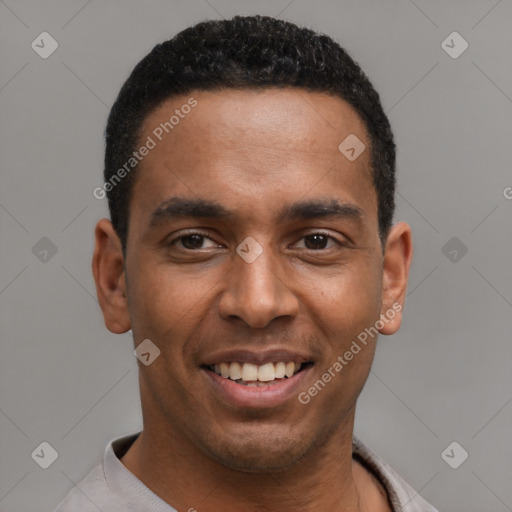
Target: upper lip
(257, 357)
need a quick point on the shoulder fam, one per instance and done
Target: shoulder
(402, 496)
(92, 494)
(100, 490)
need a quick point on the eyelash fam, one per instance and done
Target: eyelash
(206, 235)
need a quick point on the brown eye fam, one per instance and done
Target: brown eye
(316, 241)
(194, 241)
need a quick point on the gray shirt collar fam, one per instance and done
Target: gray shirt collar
(140, 498)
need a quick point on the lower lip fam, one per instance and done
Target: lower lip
(260, 397)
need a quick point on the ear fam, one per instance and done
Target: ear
(109, 276)
(395, 274)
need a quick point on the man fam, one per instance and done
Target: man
(250, 176)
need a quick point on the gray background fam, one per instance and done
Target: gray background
(444, 377)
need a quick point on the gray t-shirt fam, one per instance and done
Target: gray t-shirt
(111, 487)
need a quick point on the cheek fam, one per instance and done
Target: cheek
(165, 303)
(347, 303)
(343, 311)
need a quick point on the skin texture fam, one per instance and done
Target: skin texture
(252, 151)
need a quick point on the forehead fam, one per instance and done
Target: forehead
(312, 120)
(253, 149)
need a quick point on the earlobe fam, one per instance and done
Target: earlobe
(109, 277)
(395, 275)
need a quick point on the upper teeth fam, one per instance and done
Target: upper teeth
(253, 372)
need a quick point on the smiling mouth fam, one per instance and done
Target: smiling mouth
(253, 375)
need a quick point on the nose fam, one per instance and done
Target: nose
(255, 293)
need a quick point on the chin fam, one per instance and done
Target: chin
(257, 452)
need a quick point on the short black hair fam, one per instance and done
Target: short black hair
(243, 52)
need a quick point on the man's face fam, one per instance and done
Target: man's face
(259, 157)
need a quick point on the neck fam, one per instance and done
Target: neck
(326, 479)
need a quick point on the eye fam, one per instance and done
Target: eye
(318, 241)
(193, 241)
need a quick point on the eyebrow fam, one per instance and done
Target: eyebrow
(180, 207)
(316, 209)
